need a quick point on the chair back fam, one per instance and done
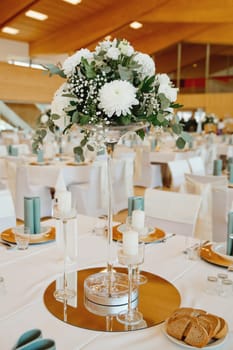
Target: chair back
(197, 165)
(172, 211)
(178, 169)
(7, 210)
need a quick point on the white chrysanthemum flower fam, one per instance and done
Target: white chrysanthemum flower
(163, 79)
(147, 68)
(168, 91)
(71, 62)
(117, 97)
(44, 118)
(113, 53)
(125, 48)
(58, 104)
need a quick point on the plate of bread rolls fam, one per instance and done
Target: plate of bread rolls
(195, 328)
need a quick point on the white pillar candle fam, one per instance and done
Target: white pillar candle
(63, 201)
(130, 243)
(138, 219)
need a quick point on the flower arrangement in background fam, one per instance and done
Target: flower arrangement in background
(114, 85)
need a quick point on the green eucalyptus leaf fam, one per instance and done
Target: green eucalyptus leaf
(78, 150)
(83, 142)
(54, 70)
(90, 148)
(55, 116)
(160, 117)
(177, 129)
(186, 136)
(165, 102)
(180, 142)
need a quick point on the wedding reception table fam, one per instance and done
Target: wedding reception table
(28, 273)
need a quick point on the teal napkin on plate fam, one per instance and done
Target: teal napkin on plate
(40, 156)
(217, 167)
(32, 214)
(14, 151)
(32, 340)
(230, 234)
(29, 213)
(134, 203)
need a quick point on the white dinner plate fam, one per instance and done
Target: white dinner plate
(146, 231)
(213, 345)
(220, 249)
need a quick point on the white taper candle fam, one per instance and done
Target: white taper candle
(130, 242)
(138, 219)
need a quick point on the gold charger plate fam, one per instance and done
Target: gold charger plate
(154, 236)
(47, 237)
(157, 299)
(77, 164)
(39, 163)
(207, 254)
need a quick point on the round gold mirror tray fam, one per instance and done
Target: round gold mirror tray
(207, 254)
(157, 299)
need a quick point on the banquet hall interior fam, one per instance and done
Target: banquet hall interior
(116, 232)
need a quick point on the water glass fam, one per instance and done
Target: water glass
(211, 285)
(227, 288)
(22, 237)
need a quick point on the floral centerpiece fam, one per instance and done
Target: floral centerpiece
(114, 86)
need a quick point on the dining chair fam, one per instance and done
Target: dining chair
(211, 224)
(172, 211)
(146, 174)
(25, 189)
(7, 212)
(197, 165)
(178, 169)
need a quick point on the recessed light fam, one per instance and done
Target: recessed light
(194, 65)
(135, 25)
(10, 30)
(73, 2)
(108, 37)
(36, 15)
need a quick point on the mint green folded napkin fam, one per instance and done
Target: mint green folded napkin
(36, 214)
(28, 337)
(32, 340)
(134, 203)
(14, 151)
(217, 167)
(29, 213)
(40, 156)
(32, 214)
(229, 249)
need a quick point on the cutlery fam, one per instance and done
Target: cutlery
(7, 244)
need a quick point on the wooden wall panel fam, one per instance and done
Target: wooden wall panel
(20, 84)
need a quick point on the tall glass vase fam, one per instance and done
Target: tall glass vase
(109, 287)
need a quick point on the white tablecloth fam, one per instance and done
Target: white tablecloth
(28, 273)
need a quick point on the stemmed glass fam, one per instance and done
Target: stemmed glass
(131, 258)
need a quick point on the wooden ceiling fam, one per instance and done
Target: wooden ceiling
(165, 23)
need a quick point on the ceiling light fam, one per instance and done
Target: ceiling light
(26, 64)
(36, 15)
(135, 25)
(73, 2)
(194, 65)
(108, 37)
(10, 30)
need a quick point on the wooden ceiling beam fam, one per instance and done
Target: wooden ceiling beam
(95, 27)
(165, 35)
(11, 9)
(215, 34)
(192, 11)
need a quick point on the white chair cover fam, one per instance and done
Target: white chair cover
(172, 211)
(24, 189)
(3, 151)
(178, 169)
(146, 174)
(197, 165)
(7, 211)
(207, 187)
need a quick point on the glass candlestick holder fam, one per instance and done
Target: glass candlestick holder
(130, 316)
(64, 293)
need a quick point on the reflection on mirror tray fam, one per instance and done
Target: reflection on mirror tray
(158, 299)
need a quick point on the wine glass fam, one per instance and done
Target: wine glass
(130, 255)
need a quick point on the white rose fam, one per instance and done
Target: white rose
(113, 53)
(147, 64)
(71, 62)
(125, 48)
(163, 79)
(168, 91)
(44, 119)
(58, 104)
